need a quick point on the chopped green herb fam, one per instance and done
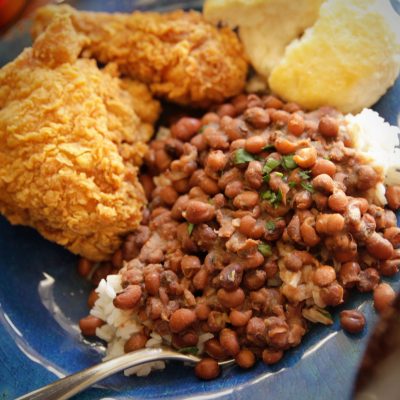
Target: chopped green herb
(292, 184)
(270, 225)
(190, 228)
(304, 175)
(265, 249)
(272, 197)
(279, 174)
(327, 157)
(242, 156)
(269, 166)
(308, 186)
(231, 276)
(268, 147)
(288, 162)
(189, 350)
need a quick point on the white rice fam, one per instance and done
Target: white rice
(121, 325)
(379, 142)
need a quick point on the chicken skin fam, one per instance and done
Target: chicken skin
(71, 139)
(183, 58)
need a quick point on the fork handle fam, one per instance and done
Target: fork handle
(72, 384)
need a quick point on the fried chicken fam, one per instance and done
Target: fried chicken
(71, 139)
(183, 58)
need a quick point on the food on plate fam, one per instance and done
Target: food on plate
(71, 141)
(182, 57)
(347, 59)
(261, 217)
(266, 27)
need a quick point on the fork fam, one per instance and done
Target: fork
(67, 387)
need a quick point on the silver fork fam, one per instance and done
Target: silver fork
(72, 384)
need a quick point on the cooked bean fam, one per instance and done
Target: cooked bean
(349, 274)
(202, 311)
(332, 295)
(284, 146)
(279, 116)
(308, 232)
(152, 282)
(240, 318)
(169, 195)
(216, 160)
(272, 102)
(321, 201)
(393, 235)
(254, 175)
(389, 267)
(190, 265)
(179, 207)
(323, 166)
(271, 356)
(233, 189)
(366, 177)
(197, 212)
(306, 157)
(199, 141)
(296, 124)
(216, 321)
(293, 261)
(226, 109)
(185, 128)
(256, 331)
(338, 201)
(231, 299)
(379, 247)
(384, 296)
(135, 342)
(245, 358)
(231, 276)
(181, 319)
(257, 117)
(89, 324)
(229, 341)
(200, 279)
(255, 144)
(207, 369)
(240, 103)
(253, 260)
(368, 280)
(328, 127)
(246, 199)
(329, 223)
(277, 332)
(148, 185)
(128, 298)
(84, 267)
(209, 186)
(393, 197)
(352, 321)
(214, 349)
(324, 275)
(323, 183)
(303, 200)
(255, 279)
(250, 228)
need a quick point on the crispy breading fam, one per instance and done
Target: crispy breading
(71, 144)
(183, 58)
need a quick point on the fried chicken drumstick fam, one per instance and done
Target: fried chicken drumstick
(71, 139)
(183, 58)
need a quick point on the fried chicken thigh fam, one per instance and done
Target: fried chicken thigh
(71, 139)
(183, 58)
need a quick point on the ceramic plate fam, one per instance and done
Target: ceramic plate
(42, 298)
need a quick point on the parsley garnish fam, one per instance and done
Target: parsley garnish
(265, 249)
(272, 197)
(269, 166)
(270, 225)
(190, 228)
(304, 175)
(288, 162)
(292, 184)
(242, 156)
(189, 350)
(308, 186)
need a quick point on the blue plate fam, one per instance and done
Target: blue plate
(42, 299)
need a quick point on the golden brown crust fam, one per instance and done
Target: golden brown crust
(183, 58)
(70, 144)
